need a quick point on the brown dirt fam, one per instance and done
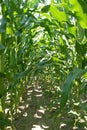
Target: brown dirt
(32, 112)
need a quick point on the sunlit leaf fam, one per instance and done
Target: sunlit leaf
(72, 31)
(58, 15)
(45, 15)
(74, 113)
(81, 16)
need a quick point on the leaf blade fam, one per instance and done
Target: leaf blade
(68, 84)
(58, 15)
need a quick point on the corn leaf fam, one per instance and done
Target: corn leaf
(80, 14)
(2, 47)
(68, 84)
(58, 15)
(45, 9)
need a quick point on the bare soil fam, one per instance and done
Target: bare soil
(32, 112)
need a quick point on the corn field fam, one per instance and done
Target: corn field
(46, 40)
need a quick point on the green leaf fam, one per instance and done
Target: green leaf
(81, 16)
(46, 15)
(72, 30)
(58, 15)
(57, 60)
(45, 9)
(2, 25)
(68, 84)
(2, 47)
(3, 120)
(21, 75)
(83, 4)
(84, 89)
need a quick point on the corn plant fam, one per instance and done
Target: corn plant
(45, 40)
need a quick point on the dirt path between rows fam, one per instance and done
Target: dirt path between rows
(33, 114)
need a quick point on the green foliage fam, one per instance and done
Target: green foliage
(58, 15)
(4, 121)
(2, 47)
(68, 84)
(79, 8)
(50, 40)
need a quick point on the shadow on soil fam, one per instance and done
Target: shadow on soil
(32, 112)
